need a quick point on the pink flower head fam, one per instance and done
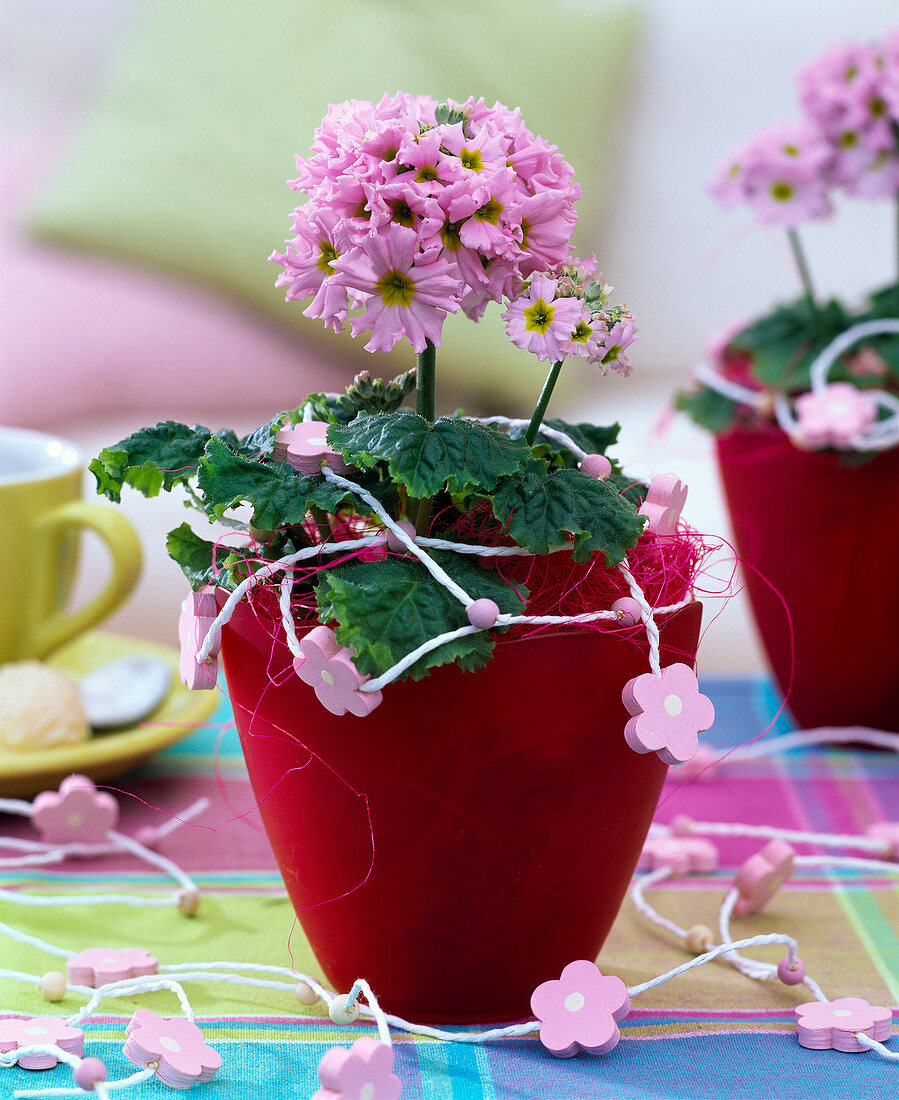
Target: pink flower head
(762, 875)
(888, 833)
(308, 264)
(363, 1070)
(306, 448)
(613, 334)
(580, 1011)
(177, 1046)
(664, 503)
(407, 293)
(669, 712)
(833, 1025)
(198, 613)
(834, 416)
(681, 853)
(328, 667)
(16, 1033)
(539, 322)
(95, 966)
(78, 812)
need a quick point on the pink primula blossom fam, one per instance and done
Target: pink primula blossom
(539, 322)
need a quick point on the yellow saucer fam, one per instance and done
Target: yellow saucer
(23, 774)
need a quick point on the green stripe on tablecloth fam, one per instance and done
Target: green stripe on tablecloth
(865, 910)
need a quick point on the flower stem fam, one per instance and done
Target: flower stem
(425, 383)
(804, 273)
(896, 289)
(548, 386)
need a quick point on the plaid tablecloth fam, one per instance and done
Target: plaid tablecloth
(711, 1033)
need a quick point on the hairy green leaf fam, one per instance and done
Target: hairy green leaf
(388, 608)
(261, 442)
(454, 454)
(708, 408)
(193, 553)
(784, 342)
(540, 510)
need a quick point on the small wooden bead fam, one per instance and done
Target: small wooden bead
(395, 543)
(89, 1073)
(597, 466)
(791, 975)
(630, 610)
(681, 825)
(147, 836)
(188, 901)
(53, 986)
(699, 939)
(482, 614)
(342, 1013)
(306, 995)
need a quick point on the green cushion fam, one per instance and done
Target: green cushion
(183, 161)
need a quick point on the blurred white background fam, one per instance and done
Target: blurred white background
(707, 75)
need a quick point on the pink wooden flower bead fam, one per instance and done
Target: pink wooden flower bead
(483, 614)
(762, 875)
(306, 448)
(328, 668)
(683, 854)
(76, 812)
(597, 466)
(177, 1046)
(831, 1025)
(198, 612)
(888, 832)
(580, 1011)
(791, 973)
(40, 1031)
(669, 712)
(95, 966)
(363, 1070)
(834, 416)
(664, 504)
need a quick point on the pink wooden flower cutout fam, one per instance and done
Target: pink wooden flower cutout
(669, 712)
(306, 448)
(832, 1025)
(76, 812)
(176, 1045)
(834, 416)
(328, 668)
(40, 1031)
(888, 832)
(762, 875)
(664, 504)
(580, 1011)
(682, 853)
(363, 1070)
(95, 966)
(198, 612)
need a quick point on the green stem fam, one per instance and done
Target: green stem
(425, 383)
(896, 293)
(423, 517)
(548, 386)
(804, 273)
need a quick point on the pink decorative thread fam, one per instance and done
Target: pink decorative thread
(834, 416)
(669, 712)
(95, 966)
(762, 875)
(683, 854)
(198, 612)
(664, 504)
(363, 1070)
(305, 447)
(328, 668)
(40, 1031)
(832, 1025)
(176, 1045)
(580, 1011)
(77, 812)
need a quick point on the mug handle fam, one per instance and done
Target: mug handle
(125, 553)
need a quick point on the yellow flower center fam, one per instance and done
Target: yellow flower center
(396, 289)
(471, 158)
(525, 229)
(848, 139)
(450, 236)
(426, 174)
(611, 356)
(539, 316)
(402, 213)
(327, 253)
(489, 212)
(582, 333)
(782, 191)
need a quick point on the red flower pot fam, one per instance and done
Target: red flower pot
(824, 535)
(475, 833)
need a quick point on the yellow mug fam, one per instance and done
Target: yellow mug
(41, 515)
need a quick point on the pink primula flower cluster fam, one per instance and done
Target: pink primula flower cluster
(846, 139)
(415, 210)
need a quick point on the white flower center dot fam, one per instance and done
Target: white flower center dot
(367, 1091)
(35, 1030)
(110, 960)
(170, 1044)
(842, 1012)
(574, 1002)
(673, 705)
(318, 441)
(328, 678)
(74, 820)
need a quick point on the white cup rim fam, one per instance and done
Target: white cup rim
(43, 456)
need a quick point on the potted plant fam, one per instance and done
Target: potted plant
(460, 836)
(804, 404)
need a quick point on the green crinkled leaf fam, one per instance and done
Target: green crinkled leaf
(193, 553)
(388, 608)
(261, 441)
(278, 495)
(450, 453)
(592, 438)
(153, 458)
(629, 488)
(708, 408)
(540, 509)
